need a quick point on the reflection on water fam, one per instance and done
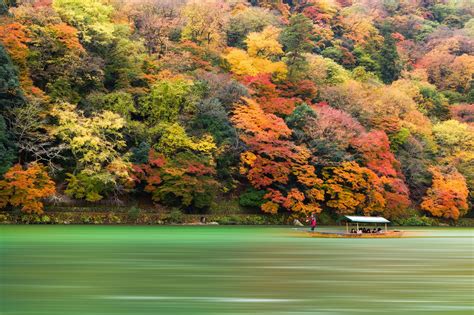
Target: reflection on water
(71, 270)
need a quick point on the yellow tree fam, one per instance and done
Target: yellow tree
(206, 21)
(264, 44)
(95, 143)
(262, 48)
(242, 64)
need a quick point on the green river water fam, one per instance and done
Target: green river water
(80, 270)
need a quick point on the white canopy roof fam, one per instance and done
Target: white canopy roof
(361, 219)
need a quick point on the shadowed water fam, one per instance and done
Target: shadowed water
(72, 270)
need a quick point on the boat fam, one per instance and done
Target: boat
(388, 234)
(352, 224)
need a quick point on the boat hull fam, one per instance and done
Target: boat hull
(389, 234)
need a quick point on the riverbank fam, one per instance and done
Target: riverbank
(136, 216)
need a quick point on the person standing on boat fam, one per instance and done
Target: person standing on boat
(312, 221)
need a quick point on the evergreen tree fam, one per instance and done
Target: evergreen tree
(390, 67)
(7, 152)
(10, 92)
(296, 40)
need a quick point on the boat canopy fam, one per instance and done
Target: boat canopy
(360, 219)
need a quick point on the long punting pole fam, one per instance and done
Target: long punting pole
(347, 227)
(385, 227)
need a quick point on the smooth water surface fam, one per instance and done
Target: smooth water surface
(79, 270)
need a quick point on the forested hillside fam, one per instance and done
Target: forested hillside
(333, 106)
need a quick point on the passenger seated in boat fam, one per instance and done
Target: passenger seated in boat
(374, 231)
(359, 231)
(379, 230)
(353, 231)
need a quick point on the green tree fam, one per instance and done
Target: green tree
(119, 102)
(296, 40)
(7, 152)
(434, 104)
(123, 60)
(390, 65)
(92, 18)
(10, 92)
(167, 100)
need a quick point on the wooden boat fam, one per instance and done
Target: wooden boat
(351, 220)
(388, 234)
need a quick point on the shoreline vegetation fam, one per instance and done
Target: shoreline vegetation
(139, 216)
(242, 111)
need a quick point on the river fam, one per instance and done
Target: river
(81, 270)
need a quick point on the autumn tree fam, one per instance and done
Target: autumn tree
(251, 19)
(55, 56)
(264, 44)
(456, 143)
(262, 49)
(155, 21)
(454, 137)
(242, 64)
(463, 112)
(205, 22)
(352, 189)
(182, 180)
(95, 143)
(26, 187)
(330, 135)
(91, 18)
(14, 38)
(447, 197)
(269, 95)
(374, 148)
(275, 164)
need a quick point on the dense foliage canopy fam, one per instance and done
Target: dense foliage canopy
(340, 106)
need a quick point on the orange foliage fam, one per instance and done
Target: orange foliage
(272, 160)
(14, 37)
(463, 113)
(26, 187)
(447, 196)
(68, 36)
(353, 189)
(397, 195)
(269, 96)
(375, 149)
